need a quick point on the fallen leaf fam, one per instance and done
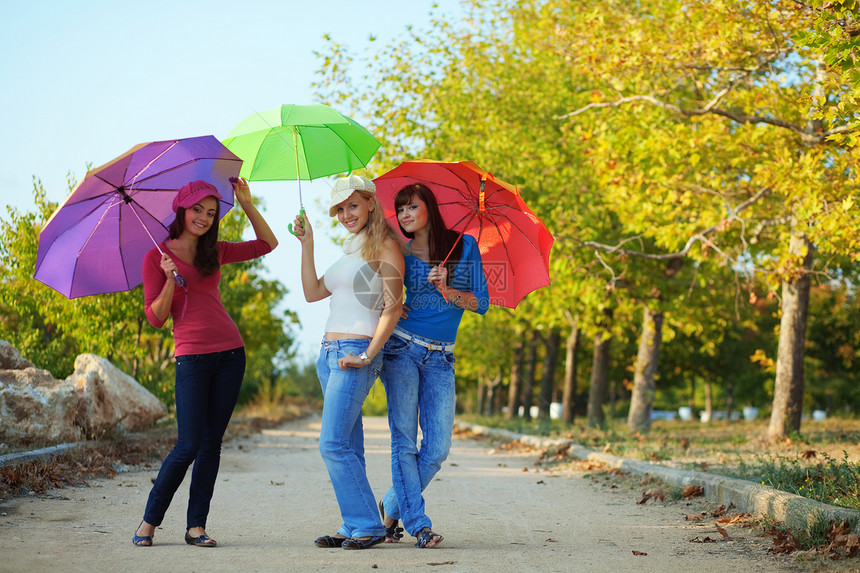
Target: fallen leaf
(695, 517)
(639, 552)
(652, 493)
(719, 512)
(705, 540)
(551, 540)
(783, 544)
(809, 454)
(722, 531)
(693, 491)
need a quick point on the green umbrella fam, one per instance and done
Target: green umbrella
(299, 142)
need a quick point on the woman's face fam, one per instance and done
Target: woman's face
(200, 216)
(413, 215)
(354, 212)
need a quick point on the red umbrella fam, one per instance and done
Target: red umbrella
(514, 242)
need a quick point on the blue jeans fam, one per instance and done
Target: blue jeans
(342, 435)
(207, 387)
(419, 385)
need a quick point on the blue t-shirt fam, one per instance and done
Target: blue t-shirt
(429, 315)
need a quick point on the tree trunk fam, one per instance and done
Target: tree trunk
(709, 405)
(599, 380)
(482, 392)
(788, 388)
(492, 386)
(645, 371)
(644, 378)
(547, 381)
(568, 396)
(730, 399)
(529, 378)
(515, 384)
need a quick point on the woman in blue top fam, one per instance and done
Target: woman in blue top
(418, 366)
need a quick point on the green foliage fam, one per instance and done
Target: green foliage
(706, 152)
(376, 403)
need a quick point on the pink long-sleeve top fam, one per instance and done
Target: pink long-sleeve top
(201, 324)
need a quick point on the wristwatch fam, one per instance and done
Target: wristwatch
(364, 358)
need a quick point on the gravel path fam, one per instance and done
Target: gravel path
(498, 512)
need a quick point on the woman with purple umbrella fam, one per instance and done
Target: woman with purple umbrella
(210, 356)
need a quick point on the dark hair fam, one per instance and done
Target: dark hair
(441, 238)
(206, 257)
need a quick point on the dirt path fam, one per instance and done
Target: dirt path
(274, 497)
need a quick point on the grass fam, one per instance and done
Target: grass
(822, 462)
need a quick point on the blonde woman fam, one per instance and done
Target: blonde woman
(366, 290)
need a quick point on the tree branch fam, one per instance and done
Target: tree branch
(808, 137)
(701, 236)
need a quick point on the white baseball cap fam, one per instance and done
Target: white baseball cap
(346, 186)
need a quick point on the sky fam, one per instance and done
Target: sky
(85, 80)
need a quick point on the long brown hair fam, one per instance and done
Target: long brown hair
(206, 257)
(441, 238)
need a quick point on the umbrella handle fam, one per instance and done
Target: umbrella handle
(290, 226)
(179, 280)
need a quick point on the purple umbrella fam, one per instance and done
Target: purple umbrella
(95, 241)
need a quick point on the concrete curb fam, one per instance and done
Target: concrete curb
(794, 511)
(42, 454)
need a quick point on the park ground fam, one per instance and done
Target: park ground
(499, 508)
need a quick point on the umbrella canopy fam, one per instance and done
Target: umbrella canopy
(95, 241)
(514, 242)
(300, 142)
(295, 142)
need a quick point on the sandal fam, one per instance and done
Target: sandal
(355, 543)
(139, 539)
(199, 541)
(393, 534)
(329, 541)
(426, 536)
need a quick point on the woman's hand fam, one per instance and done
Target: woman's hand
(439, 277)
(302, 228)
(350, 361)
(167, 265)
(241, 190)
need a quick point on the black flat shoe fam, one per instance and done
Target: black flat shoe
(329, 541)
(141, 540)
(393, 534)
(353, 543)
(200, 540)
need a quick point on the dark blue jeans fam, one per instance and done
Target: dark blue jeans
(207, 387)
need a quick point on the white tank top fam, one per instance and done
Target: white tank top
(356, 292)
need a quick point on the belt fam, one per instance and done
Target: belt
(424, 343)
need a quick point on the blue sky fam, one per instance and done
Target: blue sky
(85, 80)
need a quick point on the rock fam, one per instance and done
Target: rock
(11, 359)
(36, 408)
(109, 399)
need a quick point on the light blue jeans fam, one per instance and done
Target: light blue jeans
(419, 385)
(342, 435)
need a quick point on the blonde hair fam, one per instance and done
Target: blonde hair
(376, 231)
